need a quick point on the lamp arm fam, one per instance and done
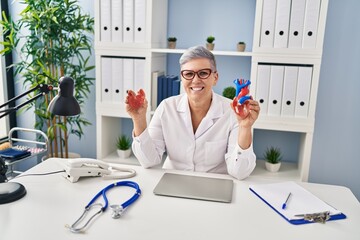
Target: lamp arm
(44, 89)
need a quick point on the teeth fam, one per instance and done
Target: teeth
(197, 89)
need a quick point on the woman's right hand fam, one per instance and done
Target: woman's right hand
(136, 104)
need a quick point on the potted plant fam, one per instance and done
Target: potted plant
(123, 145)
(272, 157)
(229, 92)
(172, 42)
(210, 42)
(51, 39)
(241, 46)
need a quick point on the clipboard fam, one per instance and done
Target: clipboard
(300, 205)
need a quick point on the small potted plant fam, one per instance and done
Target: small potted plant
(172, 42)
(123, 145)
(229, 92)
(210, 42)
(272, 159)
(241, 46)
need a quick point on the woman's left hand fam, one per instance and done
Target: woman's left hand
(253, 109)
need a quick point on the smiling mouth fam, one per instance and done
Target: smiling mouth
(196, 88)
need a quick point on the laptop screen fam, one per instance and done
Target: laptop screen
(195, 187)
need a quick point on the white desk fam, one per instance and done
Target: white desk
(52, 201)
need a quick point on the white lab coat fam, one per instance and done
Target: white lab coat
(213, 147)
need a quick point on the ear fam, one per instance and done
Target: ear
(216, 78)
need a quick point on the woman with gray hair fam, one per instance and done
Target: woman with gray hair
(199, 129)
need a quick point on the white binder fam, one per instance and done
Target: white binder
(139, 74)
(282, 23)
(275, 92)
(117, 80)
(116, 20)
(303, 92)
(128, 24)
(296, 23)
(262, 87)
(140, 14)
(128, 74)
(289, 91)
(154, 88)
(268, 23)
(106, 79)
(312, 12)
(105, 20)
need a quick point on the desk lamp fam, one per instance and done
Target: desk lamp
(63, 104)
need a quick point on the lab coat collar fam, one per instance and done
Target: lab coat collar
(216, 110)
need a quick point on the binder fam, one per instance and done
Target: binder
(262, 87)
(289, 91)
(296, 23)
(161, 86)
(105, 20)
(154, 89)
(173, 85)
(312, 12)
(140, 14)
(117, 80)
(106, 79)
(116, 20)
(275, 91)
(175, 89)
(139, 74)
(128, 24)
(300, 202)
(303, 92)
(282, 23)
(128, 74)
(268, 23)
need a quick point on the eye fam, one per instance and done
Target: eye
(204, 73)
(188, 74)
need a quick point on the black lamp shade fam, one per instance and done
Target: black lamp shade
(64, 103)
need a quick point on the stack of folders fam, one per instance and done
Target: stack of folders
(163, 86)
(293, 202)
(289, 24)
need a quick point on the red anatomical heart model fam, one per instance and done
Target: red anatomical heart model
(241, 109)
(240, 102)
(135, 100)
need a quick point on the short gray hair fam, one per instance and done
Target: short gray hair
(196, 53)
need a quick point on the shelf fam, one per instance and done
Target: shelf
(288, 171)
(302, 125)
(215, 52)
(159, 58)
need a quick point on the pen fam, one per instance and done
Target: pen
(287, 199)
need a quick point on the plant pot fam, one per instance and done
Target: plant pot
(172, 45)
(272, 167)
(241, 47)
(210, 46)
(124, 153)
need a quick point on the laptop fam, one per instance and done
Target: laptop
(195, 187)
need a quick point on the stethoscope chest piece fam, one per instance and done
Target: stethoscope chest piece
(117, 211)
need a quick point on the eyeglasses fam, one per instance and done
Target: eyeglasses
(202, 73)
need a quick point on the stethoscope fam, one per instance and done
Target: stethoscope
(117, 209)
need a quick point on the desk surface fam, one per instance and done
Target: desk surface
(52, 202)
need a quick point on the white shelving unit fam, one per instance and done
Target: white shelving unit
(110, 115)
